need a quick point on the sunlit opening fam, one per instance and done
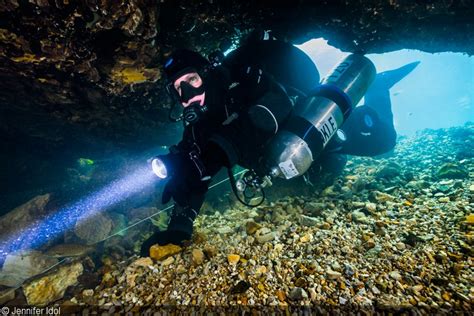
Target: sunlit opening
(438, 93)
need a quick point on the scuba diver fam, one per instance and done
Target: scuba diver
(233, 106)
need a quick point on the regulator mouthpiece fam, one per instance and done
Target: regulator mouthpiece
(159, 168)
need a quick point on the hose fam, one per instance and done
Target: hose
(236, 192)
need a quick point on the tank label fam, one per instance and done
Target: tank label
(338, 71)
(288, 169)
(327, 128)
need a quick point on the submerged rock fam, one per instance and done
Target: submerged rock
(452, 171)
(389, 170)
(69, 250)
(93, 229)
(24, 215)
(23, 265)
(198, 256)
(52, 287)
(309, 221)
(159, 253)
(7, 295)
(264, 235)
(297, 294)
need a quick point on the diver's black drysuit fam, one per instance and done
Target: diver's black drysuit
(252, 95)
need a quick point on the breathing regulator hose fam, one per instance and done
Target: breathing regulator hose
(236, 191)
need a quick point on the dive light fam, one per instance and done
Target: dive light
(318, 117)
(159, 168)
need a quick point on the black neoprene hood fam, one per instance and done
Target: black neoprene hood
(183, 61)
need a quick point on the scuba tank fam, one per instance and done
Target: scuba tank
(318, 117)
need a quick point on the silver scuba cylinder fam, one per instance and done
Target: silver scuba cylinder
(318, 117)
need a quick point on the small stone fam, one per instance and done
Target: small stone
(400, 246)
(336, 266)
(210, 251)
(383, 197)
(159, 253)
(281, 295)
(198, 256)
(395, 275)
(225, 230)
(371, 207)
(233, 259)
(470, 219)
(333, 275)
(370, 243)
(446, 296)
(167, 261)
(457, 267)
(297, 294)
(278, 247)
(444, 199)
(181, 269)
(7, 295)
(261, 270)
(417, 288)
(359, 217)
(264, 235)
(142, 262)
(251, 227)
(308, 221)
(348, 270)
(375, 290)
(471, 188)
(88, 293)
(306, 238)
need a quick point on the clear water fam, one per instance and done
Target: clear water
(439, 93)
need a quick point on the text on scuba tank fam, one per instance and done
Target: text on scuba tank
(327, 128)
(338, 71)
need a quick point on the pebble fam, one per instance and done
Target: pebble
(198, 256)
(360, 217)
(159, 253)
(297, 294)
(400, 246)
(251, 227)
(471, 188)
(444, 199)
(306, 238)
(225, 230)
(333, 275)
(167, 261)
(395, 275)
(233, 259)
(371, 207)
(264, 235)
(308, 221)
(88, 293)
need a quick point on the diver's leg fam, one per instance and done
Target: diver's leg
(366, 134)
(369, 129)
(378, 95)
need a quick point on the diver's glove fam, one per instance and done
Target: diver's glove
(180, 229)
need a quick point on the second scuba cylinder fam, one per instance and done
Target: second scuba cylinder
(317, 118)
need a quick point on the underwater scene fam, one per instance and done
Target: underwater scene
(177, 158)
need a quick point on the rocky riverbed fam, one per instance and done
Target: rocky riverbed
(392, 233)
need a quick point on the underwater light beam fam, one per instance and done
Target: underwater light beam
(55, 224)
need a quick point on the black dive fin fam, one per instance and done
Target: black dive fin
(387, 79)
